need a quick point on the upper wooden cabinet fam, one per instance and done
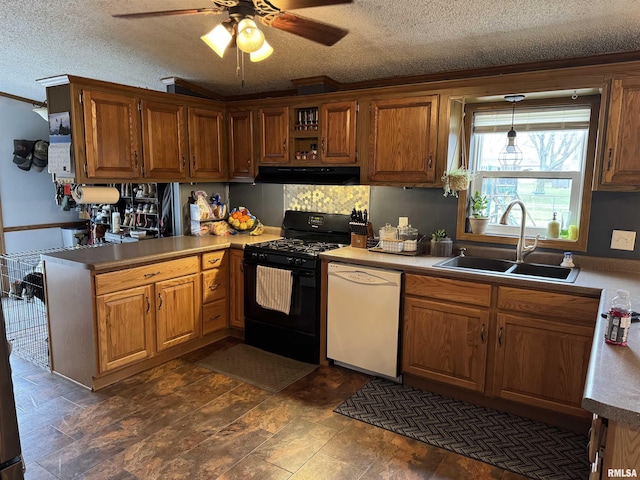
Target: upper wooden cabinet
(620, 166)
(164, 140)
(274, 135)
(338, 132)
(241, 150)
(403, 139)
(112, 135)
(206, 143)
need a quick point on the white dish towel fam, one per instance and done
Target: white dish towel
(273, 288)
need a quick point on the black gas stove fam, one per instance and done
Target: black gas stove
(296, 333)
(307, 234)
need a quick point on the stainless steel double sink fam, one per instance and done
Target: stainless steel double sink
(511, 269)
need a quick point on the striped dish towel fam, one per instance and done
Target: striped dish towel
(273, 288)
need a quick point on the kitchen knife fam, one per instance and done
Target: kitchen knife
(365, 216)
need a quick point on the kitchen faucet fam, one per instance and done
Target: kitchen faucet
(522, 250)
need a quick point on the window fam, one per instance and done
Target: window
(557, 140)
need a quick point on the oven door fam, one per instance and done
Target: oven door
(295, 335)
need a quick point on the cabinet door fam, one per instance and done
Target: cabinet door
(621, 162)
(164, 139)
(338, 141)
(444, 342)
(241, 149)
(237, 290)
(274, 135)
(206, 144)
(402, 140)
(112, 135)
(542, 363)
(125, 333)
(177, 311)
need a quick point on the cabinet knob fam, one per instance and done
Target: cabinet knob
(430, 160)
(500, 337)
(610, 155)
(159, 301)
(149, 275)
(322, 145)
(213, 286)
(215, 260)
(482, 334)
(284, 145)
(148, 304)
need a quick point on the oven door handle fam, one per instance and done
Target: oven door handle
(294, 272)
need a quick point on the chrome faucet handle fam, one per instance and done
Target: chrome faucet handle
(463, 251)
(527, 249)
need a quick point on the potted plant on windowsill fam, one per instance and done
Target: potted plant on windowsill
(479, 219)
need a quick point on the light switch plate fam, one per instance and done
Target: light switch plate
(623, 240)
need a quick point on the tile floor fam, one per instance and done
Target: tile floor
(180, 421)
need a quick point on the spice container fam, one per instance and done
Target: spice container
(618, 319)
(388, 232)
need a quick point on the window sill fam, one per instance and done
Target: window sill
(578, 245)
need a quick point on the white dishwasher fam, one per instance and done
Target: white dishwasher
(363, 318)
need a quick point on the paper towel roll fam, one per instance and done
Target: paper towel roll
(83, 195)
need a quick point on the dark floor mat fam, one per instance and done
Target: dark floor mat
(527, 447)
(257, 367)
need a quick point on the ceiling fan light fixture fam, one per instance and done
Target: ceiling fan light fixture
(218, 39)
(249, 38)
(264, 52)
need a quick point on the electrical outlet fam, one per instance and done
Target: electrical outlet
(623, 240)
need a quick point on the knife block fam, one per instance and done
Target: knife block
(358, 241)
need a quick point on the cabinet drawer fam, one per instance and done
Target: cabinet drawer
(214, 259)
(556, 305)
(136, 276)
(214, 284)
(447, 289)
(214, 316)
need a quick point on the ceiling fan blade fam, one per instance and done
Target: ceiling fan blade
(310, 29)
(295, 4)
(191, 11)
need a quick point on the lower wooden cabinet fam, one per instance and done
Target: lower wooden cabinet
(445, 342)
(542, 363)
(237, 289)
(538, 343)
(177, 311)
(215, 286)
(125, 327)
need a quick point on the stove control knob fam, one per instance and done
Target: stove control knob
(299, 261)
(254, 255)
(262, 256)
(290, 260)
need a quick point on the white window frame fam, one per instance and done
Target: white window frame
(580, 196)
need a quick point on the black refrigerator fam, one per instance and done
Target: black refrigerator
(11, 466)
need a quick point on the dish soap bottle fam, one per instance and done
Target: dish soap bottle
(553, 229)
(618, 319)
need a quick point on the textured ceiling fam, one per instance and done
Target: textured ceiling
(386, 38)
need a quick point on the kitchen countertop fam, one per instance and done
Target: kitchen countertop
(123, 255)
(612, 387)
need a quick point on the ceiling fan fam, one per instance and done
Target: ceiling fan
(241, 27)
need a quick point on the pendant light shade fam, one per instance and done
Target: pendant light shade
(218, 39)
(511, 156)
(250, 38)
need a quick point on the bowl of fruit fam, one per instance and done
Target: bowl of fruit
(240, 219)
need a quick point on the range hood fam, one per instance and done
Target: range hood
(309, 175)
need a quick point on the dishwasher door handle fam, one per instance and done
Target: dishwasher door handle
(363, 278)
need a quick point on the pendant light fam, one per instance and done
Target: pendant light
(511, 156)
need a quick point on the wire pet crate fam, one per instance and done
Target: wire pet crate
(23, 304)
(25, 313)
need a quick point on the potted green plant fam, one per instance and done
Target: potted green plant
(479, 219)
(455, 180)
(441, 244)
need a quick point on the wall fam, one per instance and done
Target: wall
(26, 198)
(428, 210)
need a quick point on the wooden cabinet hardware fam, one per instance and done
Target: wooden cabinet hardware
(153, 274)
